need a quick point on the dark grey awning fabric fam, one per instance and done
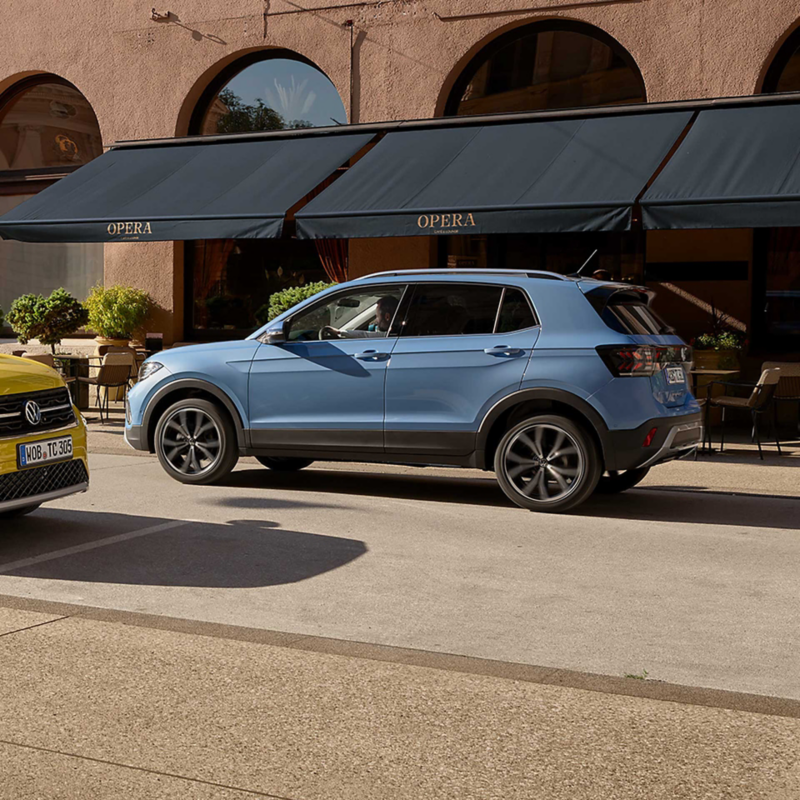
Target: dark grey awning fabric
(736, 168)
(215, 190)
(560, 175)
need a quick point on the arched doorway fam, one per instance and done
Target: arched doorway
(776, 251)
(228, 282)
(538, 67)
(47, 130)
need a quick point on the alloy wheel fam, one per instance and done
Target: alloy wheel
(191, 441)
(544, 463)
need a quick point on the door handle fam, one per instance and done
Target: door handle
(370, 355)
(502, 350)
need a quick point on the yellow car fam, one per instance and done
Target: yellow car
(42, 438)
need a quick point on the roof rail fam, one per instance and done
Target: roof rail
(518, 273)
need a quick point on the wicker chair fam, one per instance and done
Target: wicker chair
(756, 403)
(42, 358)
(114, 372)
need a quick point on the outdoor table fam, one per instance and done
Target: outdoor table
(715, 415)
(77, 366)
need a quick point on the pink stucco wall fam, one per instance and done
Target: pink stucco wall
(144, 77)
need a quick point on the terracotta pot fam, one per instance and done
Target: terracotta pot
(716, 359)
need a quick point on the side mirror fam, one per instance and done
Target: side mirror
(275, 334)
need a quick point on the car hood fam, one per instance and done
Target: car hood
(18, 375)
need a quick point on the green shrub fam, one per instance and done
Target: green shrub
(117, 312)
(288, 298)
(727, 340)
(48, 319)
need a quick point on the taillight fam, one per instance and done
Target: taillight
(644, 360)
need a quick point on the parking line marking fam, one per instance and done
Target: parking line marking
(82, 548)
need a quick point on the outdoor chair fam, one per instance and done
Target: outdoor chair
(756, 404)
(130, 354)
(114, 372)
(42, 358)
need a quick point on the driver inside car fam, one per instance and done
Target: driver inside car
(384, 313)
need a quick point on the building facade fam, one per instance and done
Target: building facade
(77, 76)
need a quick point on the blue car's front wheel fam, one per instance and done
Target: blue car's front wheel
(547, 463)
(196, 442)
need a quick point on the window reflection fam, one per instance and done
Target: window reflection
(272, 95)
(48, 125)
(541, 69)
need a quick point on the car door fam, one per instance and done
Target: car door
(463, 346)
(323, 388)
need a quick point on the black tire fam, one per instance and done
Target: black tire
(284, 464)
(19, 512)
(563, 473)
(196, 442)
(615, 482)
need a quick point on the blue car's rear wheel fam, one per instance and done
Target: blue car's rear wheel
(547, 463)
(196, 442)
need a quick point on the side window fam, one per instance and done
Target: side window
(515, 313)
(448, 309)
(365, 314)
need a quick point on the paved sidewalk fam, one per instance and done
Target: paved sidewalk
(123, 708)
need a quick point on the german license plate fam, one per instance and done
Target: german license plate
(675, 375)
(43, 452)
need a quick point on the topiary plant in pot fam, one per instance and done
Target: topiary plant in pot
(48, 319)
(287, 298)
(116, 313)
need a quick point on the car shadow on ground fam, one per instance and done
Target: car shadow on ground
(670, 504)
(236, 554)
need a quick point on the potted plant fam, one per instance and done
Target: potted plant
(719, 348)
(287, 298)
(48, 319)
(116, 313)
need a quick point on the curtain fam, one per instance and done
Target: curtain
(333, 253)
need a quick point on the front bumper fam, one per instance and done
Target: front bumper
(675, 437)
(135, 438)
(37, 485)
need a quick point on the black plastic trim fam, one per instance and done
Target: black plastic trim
(420, 443)
(190, 383)
(317, 440)
(553, 395)
(628, 449)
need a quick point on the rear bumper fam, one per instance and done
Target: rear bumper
(675, 437)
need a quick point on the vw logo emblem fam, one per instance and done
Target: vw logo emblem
(33, 413)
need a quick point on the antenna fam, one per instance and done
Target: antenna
(586, 263)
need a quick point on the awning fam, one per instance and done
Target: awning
(737, 168)
(579, 174)
(218, 190)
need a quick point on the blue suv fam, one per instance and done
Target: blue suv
(563, 386)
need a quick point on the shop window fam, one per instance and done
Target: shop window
(229, 282)
(776, 257)
(534, 68)
(47, 130)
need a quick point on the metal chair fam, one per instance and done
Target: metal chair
(114, 372)
(760, 398)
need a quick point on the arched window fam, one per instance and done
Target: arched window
(776, 256)
(547, 65)
(544, 66)
(228, 282)
(47, 130)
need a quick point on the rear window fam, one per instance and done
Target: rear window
(632, 316)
